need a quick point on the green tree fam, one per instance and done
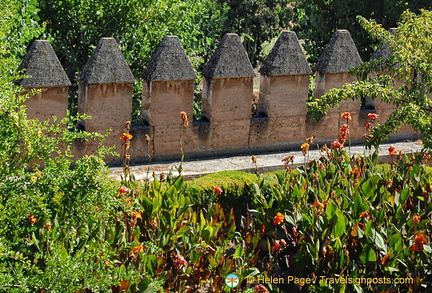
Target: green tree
(18, 27)
(409, 63)
(46, 206)
(74, 27)
(319, 19)
(258, 21)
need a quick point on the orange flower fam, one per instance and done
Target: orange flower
(393, 151)
(123, 189)
(139, 248)
(32, 219)
(319, 204)
(416, 219)
(217, 189)
(365, 215)
(305, 148)
(288, 159)
(368, 125)
(344, 131)
(346, 115)
(136, 215)
(126, 136)
(419, 240)
(278, 219)
(336, 144)
(372, 116)
(184, 118)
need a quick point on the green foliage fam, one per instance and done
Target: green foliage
(403, 78)
(235, 185)
(319, 19)
(53, 206)
(75, 27)
(160, 235)
(345, 218)
(258, 22)
(67, 228)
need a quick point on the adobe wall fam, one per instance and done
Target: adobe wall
(46, 75)
(47, 102)
(227, 126)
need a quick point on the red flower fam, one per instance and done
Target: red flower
(138, 248)
(419, 240)
(319, 204)
(336, 144)
(416, 219)
(126, 136)
(385, 259)
(179, 260)
(368, 125)
(278, 245)
(278, 219)
(393, 151)
(217, 189)
(261, 289)
(346, 115)
(123, 189)
(372, 116)
(365, 215)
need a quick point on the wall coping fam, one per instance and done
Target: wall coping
(106, 65)
(169, 62)
(286, 57)
(340, 54)
(230, 60)
(42, 67)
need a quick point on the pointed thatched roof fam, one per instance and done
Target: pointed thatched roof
(286, 57)
(169, 62)
(383, 50)
(230, 60)
(106, 65)
(42, 67)
(340, 54)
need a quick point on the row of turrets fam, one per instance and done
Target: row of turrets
(228, 126)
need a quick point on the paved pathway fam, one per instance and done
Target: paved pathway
(265, 162)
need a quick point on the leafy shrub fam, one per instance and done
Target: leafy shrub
(344, 217)
(236, 187)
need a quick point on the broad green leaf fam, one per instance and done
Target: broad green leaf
(250, 272)
(239, 252)
(379, 241)
(207, 234)
(404, 194)
(340, 226)
(367, 188)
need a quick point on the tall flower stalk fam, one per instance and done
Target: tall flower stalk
(126, 137)
(184, 123)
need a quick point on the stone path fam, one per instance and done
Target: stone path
(265, 162)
